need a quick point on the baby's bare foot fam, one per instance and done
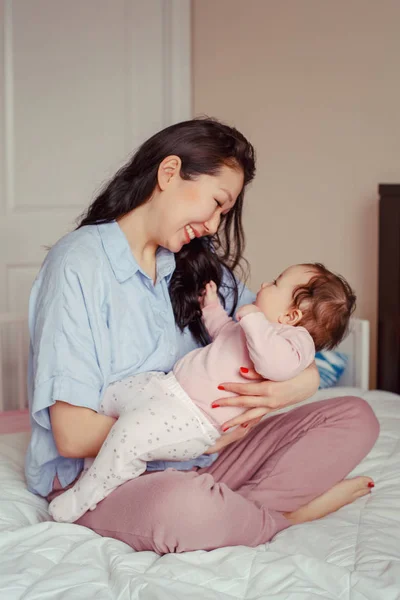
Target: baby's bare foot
(341, 494)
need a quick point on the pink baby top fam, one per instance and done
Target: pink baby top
(277, 352)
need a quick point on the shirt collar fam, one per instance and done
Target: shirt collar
(165, 264)
(122, 261)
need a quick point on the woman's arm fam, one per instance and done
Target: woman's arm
(78, 432)
(262, 397)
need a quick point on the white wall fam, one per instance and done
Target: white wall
(316, 87)
(82, 84)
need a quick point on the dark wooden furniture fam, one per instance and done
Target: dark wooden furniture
(389, 289)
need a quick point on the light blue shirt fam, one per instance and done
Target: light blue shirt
(94, 318)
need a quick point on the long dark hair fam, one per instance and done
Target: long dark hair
(204, 146)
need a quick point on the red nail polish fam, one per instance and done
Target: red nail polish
(371, 485)
(245, 424)
(221, 387)
(244, 369)
(225, 428)
(215, 405)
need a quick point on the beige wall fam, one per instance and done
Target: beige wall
(315, 85)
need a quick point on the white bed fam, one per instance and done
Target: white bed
(353, 554)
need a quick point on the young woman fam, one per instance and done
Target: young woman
(120, 296)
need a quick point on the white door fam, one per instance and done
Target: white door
(82, 83)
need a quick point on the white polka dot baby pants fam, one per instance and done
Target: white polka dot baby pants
(157, 421)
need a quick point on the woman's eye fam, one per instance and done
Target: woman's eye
(217, 203)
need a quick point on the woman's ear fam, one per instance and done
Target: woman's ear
(293, 317)
(169, 168)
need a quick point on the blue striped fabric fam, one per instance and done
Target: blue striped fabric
(331, 365)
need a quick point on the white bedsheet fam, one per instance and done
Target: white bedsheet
(353, 554)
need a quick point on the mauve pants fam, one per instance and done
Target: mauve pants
(282, 464)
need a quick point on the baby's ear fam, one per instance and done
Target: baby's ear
(293, 317)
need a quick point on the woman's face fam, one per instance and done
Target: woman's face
(189, 209)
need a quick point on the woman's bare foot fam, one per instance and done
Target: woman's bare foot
(344, 492)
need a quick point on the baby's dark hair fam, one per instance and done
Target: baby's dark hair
(327, 303)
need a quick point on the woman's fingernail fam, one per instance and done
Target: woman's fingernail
(221, 387)
(371, 485)
(245, 424)
(225, 428)
(215, 405)
(244, 369)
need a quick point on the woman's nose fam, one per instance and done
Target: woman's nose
(211, 226)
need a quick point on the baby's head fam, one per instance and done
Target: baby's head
(311, 296)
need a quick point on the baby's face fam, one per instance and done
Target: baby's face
(276, 298)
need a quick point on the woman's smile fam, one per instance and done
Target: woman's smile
(190, 232)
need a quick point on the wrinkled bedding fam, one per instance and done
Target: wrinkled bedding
(353, 554)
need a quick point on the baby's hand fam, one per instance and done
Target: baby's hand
(209, 295)
(246, 309)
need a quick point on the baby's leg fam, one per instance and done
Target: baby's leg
(120, 397)
(163, 428)
(111, 468)
(123, 396)
(126, 395)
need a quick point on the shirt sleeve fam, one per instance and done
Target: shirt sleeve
(216, 318)
(64, 327)
(277, 352)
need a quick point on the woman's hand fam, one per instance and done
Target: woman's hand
(229, 438)
(260, 396)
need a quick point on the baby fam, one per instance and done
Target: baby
(170, 416)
